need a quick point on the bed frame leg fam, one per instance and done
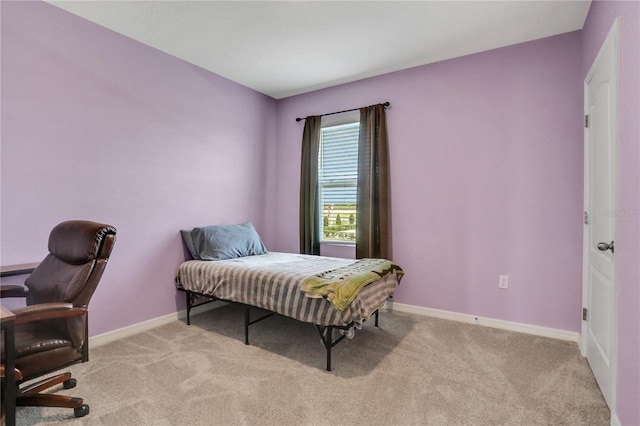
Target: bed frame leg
(246, 324)
(326, 338)
(189, 304)
(328, 343)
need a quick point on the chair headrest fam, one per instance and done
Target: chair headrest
(79, 241)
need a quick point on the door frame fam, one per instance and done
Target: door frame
(613, 36)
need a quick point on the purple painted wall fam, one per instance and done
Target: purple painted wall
(602, 15)
(97, 126)
(486, 157)
(486, 166)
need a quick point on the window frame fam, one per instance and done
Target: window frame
(350, 117)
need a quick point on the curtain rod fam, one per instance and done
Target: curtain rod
(386, 105)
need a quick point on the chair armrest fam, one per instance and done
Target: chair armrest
(13, 291)
(46, 311)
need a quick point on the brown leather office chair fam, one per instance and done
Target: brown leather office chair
(51, 331)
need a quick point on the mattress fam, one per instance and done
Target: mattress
(273, 281)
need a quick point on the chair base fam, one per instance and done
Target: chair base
(31, 396)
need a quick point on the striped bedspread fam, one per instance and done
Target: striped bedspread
(273, 281)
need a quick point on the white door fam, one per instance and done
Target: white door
(601, 151)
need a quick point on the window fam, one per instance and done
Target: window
(338, 178)
(332, 172)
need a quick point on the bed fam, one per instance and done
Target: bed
(333, 294)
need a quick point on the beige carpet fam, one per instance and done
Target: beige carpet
(412, 370)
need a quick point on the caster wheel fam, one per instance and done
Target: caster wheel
(81, 411)
(68, 384)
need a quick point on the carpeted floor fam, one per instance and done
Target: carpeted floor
(412, 370)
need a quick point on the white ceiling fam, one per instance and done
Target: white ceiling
(284, 48)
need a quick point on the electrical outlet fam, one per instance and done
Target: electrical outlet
(503, 281)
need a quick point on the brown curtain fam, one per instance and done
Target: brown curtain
(309, 206)
(373, 237)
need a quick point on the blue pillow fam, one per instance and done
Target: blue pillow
(227, 242)
(188, 242)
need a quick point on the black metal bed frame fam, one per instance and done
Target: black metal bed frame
(325, 331)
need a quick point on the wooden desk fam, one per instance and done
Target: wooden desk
(20, 269)
(7, 320)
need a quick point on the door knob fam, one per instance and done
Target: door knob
(605, 246)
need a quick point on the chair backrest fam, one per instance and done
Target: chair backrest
(78, 254)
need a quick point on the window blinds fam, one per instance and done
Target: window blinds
(338, 164)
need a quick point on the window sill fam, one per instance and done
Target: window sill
(337, 243)
(338, 249)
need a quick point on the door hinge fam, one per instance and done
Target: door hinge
(586, 218)
(584, 314)
(586, 121)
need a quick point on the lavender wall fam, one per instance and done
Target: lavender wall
(486, 166)
(97, 126)
(599, 21)
(486, 161)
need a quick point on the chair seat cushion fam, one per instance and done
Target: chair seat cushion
(40, 350)
(34, 338)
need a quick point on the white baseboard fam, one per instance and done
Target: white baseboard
(486, 322)
(121, 333)
(615, 421)
(130, 330)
